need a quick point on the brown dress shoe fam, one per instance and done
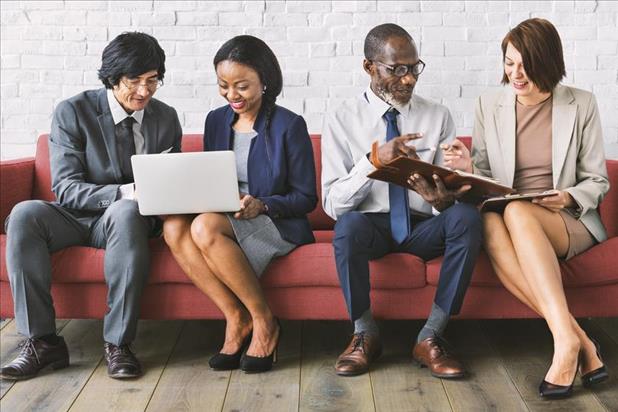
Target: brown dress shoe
(35, 355)
(355, 359)
(431, 353)
(121, 362)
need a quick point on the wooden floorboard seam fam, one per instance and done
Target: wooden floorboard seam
(85, 383)
(154, 389)
(373, 393)
(504, 365)
(300, 364)
(5, 322)
(448, 395)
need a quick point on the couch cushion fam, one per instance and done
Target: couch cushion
(308, 265)
(595, 267)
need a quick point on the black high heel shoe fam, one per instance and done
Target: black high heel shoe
(598, 375)
(227, 362)
(256, 364)
(552, 391)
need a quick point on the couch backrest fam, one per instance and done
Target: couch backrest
(319, 219)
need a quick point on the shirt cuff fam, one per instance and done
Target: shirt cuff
(127, 191)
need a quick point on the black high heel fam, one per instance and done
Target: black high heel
(598, 375)
(256, 364)
(549, 390)
(227, 362)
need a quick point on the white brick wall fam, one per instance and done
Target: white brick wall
(50, 50)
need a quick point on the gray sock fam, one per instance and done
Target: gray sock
(436, 323)
(366, 324)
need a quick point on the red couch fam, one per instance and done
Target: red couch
(303, 284)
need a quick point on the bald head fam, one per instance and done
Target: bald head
(377, 39)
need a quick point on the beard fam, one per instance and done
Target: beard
(394, 100)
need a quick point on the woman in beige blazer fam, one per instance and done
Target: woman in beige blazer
(537, 135)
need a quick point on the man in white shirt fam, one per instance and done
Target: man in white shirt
(93, 136)
(375, 218)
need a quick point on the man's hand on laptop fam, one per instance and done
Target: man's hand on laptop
(250, 207)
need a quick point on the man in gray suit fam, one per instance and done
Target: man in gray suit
(92, 139)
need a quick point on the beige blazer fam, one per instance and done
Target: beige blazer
(578, 159)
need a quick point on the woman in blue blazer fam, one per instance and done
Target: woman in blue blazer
(225, 253)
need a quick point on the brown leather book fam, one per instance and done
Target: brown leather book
(398, 171)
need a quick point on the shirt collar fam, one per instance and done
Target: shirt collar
(379, 106)
(118, 113)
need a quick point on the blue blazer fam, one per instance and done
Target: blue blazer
(280, 167)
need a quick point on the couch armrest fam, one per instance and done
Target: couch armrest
(16, 179)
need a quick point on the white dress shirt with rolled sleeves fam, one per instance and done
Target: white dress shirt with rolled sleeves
(347, 137)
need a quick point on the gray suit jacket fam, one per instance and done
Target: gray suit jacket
(85, 169)
(578, 159)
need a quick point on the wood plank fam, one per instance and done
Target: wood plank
(154, 343)
(487, 385)
(321, 389)
(9, 338)
(4, 322)
(276, 390)
(609, 326)
(526, 349)
(398, 383)
(57, 391)
(187, 382)
(605, 331)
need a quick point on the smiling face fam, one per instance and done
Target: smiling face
(133, 94)
(240, 85)
(514, 70)
(384, 83)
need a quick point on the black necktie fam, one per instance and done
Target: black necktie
(397, 195)
(125, 147)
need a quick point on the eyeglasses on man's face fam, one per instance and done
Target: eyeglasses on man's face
(401, 70)
(134, 84)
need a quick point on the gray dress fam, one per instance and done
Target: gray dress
(258, 238)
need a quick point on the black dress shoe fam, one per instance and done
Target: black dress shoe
(35, 355)
(598, 375)
(121, 362)
(256, 364)
(227, 362)
(549, 390)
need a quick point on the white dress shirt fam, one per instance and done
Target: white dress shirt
(119, 114)
(347, 137)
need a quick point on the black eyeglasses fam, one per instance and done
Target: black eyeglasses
(401, 70)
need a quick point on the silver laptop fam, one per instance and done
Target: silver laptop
(180, 183)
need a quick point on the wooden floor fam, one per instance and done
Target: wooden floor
(506, 360)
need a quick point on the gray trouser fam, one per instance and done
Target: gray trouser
(36, 228)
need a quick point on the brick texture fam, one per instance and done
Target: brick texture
(51, 50)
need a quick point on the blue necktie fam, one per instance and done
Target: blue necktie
(397, 195)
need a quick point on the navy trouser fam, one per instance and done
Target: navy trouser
(361, 237)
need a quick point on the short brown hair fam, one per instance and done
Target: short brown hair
(539, 43)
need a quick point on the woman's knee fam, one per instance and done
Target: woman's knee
(518, 213)
(206, 229)
(175, 228)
